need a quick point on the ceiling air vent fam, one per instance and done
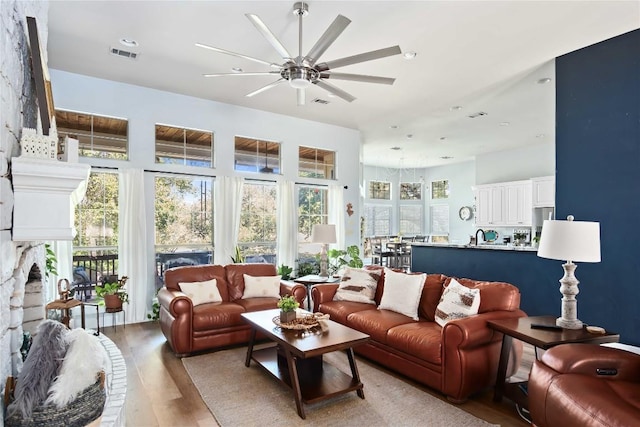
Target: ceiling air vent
(320, 101)
(478, 114)
(123, 53)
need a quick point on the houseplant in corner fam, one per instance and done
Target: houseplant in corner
(112, 295)
(287, 306)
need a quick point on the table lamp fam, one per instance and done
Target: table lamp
(325, 234)
(572, 241)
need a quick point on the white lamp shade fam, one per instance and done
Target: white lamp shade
(570, 240)
(323, 233)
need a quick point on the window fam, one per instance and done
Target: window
(316, 163)
(410, 191)
(377, 220)
(257, 236)
(380, 190)
(183, 221)
(95, 246)
(440, 219)
(183, 146)
(255, 155)
(312, 209)
(410, 219)
(440, 189)
(98, 136)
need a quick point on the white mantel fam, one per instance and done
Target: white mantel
(42, 198)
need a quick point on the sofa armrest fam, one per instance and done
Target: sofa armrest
(473, 331)
(175, 302)
(298, 291)
(587, 359)
(322, 293)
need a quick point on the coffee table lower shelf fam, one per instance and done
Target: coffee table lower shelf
(318, 380)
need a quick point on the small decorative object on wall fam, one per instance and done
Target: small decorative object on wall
(465, 213)
(349, 209)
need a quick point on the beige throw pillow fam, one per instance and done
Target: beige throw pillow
(357, 285)
(457, 301)
(261, 286)
(201, 292)
(402, 292)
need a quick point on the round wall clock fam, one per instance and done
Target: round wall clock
(465, 213)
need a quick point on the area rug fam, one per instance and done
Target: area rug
(241, 396)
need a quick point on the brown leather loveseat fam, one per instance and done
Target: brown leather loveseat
(585, 385)
(190, 328)
(458, 359)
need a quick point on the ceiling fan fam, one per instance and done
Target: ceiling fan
(303, 71)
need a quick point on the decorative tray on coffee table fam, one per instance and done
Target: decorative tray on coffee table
(302, 323)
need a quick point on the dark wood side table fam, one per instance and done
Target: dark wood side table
(65, 306)
(313, 279)
(521, 329)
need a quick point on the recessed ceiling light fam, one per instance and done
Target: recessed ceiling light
(504, 123)
(128, 42)
(544, 80)
(396, 148)
(446, 157)
(478, 114)
(409, 55)
(394, 126)
(443, 138)
(409, 136)
(540, 135)
(456, 108)
(237, 69)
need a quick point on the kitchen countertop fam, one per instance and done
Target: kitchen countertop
(486, 246)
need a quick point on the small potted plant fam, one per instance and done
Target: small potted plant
(285, 271)
(113, 295)
(287, 306)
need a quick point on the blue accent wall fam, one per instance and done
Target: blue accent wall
(597, 179)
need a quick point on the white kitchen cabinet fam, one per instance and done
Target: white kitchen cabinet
(518, 203)
(544, 192)
(504, 204)
(489, 205)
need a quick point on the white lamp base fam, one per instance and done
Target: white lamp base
(569, 290)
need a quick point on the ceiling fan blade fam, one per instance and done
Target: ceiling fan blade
(239, 55)
(358, 78)
(267, 87)
(267, 34)
(263, 73)
(334, 90)
(301, 96)
(330, 35)
(362, 57)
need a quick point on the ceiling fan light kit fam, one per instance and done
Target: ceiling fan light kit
(303, 71)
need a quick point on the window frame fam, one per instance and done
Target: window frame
(185, 158)
(440, 193)
(262, 152)
(371, 192)
(315, 164)
(81, 135)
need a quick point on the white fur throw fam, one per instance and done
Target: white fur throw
(85, 358)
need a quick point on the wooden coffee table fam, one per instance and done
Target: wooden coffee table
(296, 359)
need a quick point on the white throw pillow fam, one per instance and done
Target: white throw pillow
(357, 285)
(261, 286)
(201, 292)
(457, 301)
(402, 292)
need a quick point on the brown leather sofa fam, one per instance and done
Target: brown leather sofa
(190, 329)
(585, 385)
(458, 359)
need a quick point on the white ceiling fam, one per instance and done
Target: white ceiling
(481, 55)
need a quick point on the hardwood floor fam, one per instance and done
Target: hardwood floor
(160, 393)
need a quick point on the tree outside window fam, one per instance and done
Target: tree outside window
(380, 190)
(410, 191)
(440, 189)
(257, 235)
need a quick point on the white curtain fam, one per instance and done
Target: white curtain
(336, 213)
(132, 244)
(287, 225)
(227, 206)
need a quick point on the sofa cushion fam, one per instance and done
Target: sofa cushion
(376, 323)
(261, 286)
(201, 292)
(431, 293)
(380, 286)
(494, 296)
(419, 339)
(402, 292)
(457, 302)
(339, 310)
(357, 285)
(197, 273)
(235, 278)
(207, 317)
(257, 304)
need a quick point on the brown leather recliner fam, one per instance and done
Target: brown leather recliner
(585, 385)
(190, 328)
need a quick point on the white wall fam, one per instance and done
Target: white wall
(513, 165)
